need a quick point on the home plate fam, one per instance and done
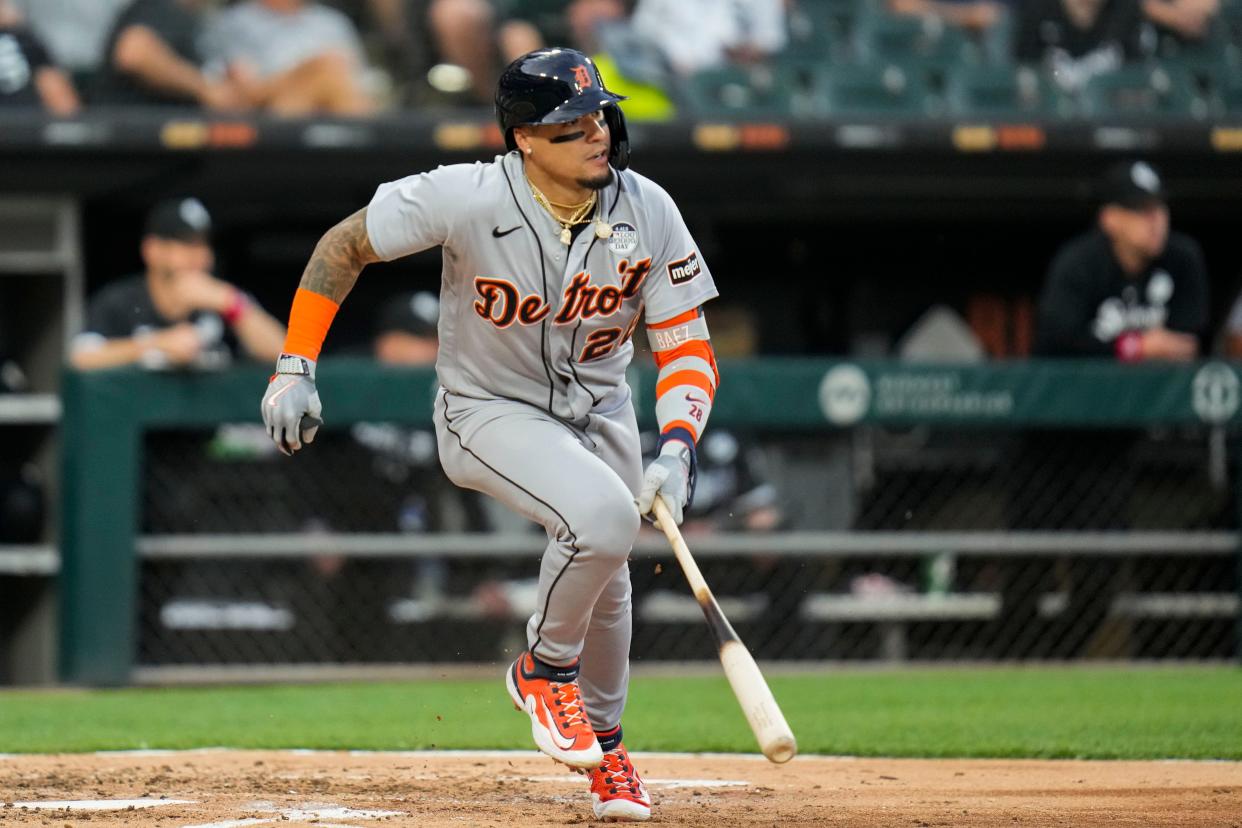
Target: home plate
(650, 783)
(102, 804)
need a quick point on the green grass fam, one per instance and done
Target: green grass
(1108, 713)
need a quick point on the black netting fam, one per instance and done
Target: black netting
(885, 560)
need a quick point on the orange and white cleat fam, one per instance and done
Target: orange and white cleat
(558, 722)
(617, 791)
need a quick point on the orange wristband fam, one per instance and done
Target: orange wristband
(309, 320)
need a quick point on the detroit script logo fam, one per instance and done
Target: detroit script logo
(502, 304)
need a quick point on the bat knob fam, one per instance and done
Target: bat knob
(781, 751)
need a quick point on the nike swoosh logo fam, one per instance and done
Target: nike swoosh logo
(500, 234)
(557, 738)
(693, 400)
(275, 398)
(532, 704)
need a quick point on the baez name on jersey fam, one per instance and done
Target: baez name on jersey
(501, 304)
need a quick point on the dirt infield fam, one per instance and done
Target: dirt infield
(232, 789)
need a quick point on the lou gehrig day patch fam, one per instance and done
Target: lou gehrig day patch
(683, 270)
(624, 238)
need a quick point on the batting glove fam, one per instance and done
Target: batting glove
(671, 476)
(291, 407)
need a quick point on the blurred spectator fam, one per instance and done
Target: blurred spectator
(28, 76)
(406, 459)
(293, 57)
(176, 314)
(1130, 287)
(22, 499)
(1079, 39)
(153, 59)
(442, 49)
(74, 30)
(448, 48)
(405, 335)
(699, 34)
(532, 24)
(464, 35)
(974, 15)
(1185, 19)
(394, 37)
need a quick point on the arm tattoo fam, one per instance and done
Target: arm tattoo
(339, 258)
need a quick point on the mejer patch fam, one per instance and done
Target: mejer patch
(683, 270)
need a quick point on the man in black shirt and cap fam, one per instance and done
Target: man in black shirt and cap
(176, 314)
(1130, 287)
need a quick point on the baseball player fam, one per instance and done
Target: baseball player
(552, 254)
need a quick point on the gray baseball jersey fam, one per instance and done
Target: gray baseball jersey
(534, 409)
(524, 317)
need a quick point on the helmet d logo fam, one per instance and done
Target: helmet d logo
(582, 76)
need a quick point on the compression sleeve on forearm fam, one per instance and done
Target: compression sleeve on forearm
(688, 377)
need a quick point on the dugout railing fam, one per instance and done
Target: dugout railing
(880, 409)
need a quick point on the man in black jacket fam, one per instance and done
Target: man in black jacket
(1130, 287)
(177, 313)
(1132, 290)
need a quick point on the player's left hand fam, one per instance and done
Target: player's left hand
(669, 477)
(291, 408)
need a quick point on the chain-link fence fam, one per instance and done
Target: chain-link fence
(863, 543)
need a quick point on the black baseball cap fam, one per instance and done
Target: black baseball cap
(179, 219)
(1134, 185)
(412, 313)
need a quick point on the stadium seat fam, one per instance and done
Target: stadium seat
(1205, 59)
(879, 36)
(1227, 90)
(736, 90)
(818, 29)
(877, 89)
(1150, 90)
(1230, 21)
(1001, 91)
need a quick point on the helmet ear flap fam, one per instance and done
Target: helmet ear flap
(619, 151)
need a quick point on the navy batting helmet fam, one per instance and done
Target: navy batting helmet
(553, 86)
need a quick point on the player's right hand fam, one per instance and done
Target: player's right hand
(291, 408)
(668, 477)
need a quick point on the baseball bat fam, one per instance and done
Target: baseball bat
(762, 712)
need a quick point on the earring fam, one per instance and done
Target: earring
(529, 150)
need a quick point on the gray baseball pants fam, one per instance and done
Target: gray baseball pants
(579, 482)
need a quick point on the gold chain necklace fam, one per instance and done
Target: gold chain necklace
(578, 216)
(590, 200)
